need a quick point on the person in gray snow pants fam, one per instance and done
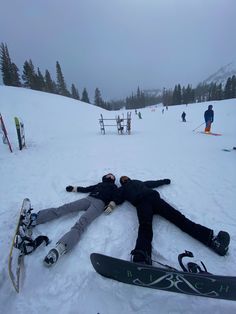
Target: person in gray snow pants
(93, 207)
(99, 200)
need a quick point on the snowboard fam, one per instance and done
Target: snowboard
(16, 257)
(210, 133)
(20, 132)
(198, 284)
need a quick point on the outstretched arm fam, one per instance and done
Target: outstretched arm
(154, 184)
(81, 189)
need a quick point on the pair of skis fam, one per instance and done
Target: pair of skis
(19, 130)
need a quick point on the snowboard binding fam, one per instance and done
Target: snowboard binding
(191, 266)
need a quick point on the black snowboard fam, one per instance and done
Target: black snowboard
(204, 285)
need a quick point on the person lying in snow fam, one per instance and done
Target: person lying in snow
(100, 195)
(148, 203)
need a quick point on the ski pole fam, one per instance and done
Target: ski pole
(198, 126)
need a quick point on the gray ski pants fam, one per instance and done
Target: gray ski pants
(93, 207)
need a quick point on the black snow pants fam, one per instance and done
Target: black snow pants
(154, 205)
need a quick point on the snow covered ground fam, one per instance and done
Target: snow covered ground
(65, 146)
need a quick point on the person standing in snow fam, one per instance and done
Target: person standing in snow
(99, 200)
(209, 118)
(183, 116)
(148, 203)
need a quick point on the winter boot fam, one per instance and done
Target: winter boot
(141, 257)
(220, 243)
(54, 254)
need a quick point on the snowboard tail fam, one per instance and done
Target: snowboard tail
(199, 284)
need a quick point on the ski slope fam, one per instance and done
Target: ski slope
(65, 146)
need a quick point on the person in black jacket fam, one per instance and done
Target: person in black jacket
(100, 195)
(148, 203)
(183, 116)
(209, 118)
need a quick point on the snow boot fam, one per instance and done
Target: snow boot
(54, 254)
(141, 257)
(220, 243)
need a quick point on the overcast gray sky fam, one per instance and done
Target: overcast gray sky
(117, 45)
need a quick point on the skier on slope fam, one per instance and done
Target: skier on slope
(183, 116)
(100, 195)
(209, 118)
(148, 203)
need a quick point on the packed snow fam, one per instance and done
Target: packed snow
(65, 147)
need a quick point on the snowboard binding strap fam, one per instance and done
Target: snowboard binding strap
(191, 267)
(28, 245)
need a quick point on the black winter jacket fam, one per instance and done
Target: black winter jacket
(104, 191)
(135, 190)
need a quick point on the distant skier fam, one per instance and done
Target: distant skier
(149, 203)
(98, 201)
(209, 118)
(139, 115)
(183, 116)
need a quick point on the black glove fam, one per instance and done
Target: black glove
(167, 181)
(69, 188)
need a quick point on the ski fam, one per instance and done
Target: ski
(210, 133)
(16, 257)
(198, 284)
(3, 129)
(20, 132)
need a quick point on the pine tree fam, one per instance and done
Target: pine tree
(50, 86)
(29, 76)
(74, 92)
(61, 85)
(167, 97)
(40, 81)
(98, 98)
(85, 97)
(9, 70)
(15, 76)
(177, 97)
(228, 89)
(233, 86)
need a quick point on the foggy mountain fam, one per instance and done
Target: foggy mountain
(221, 75)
